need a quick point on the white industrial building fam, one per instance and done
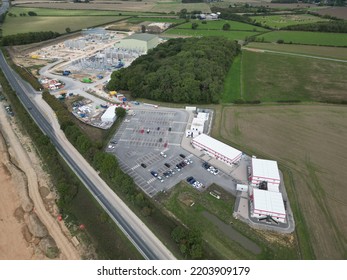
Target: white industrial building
(109, 115)
(140, 42)
(265, 204)
(217, 149)
(265, 171)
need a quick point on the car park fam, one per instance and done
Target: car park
(143, 165)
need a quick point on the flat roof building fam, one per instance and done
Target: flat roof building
(217, 149)
(109, 115)
(141, 42)
(265, 203)
(265, 171)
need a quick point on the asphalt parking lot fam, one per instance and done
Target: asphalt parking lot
(139, 142)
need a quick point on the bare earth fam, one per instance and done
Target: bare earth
(28, 214)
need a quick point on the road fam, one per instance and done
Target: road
(4, 7)
(139, 234)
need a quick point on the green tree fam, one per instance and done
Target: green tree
(226, 27)
(195, 25)
(68, 29)
(143, 28)
(120, 112)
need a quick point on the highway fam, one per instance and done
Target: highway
(143, 239)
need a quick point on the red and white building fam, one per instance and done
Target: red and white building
(265, 170)
(265, 203)
(217, 149)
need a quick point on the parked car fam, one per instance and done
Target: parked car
(167, 165)
(216, 171)
(182, 156)
(160, 178)
(155, 174)
(163, 154)
(143, 165)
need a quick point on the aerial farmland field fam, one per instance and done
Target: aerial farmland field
(329, 52)
(277, 77)
(232, 35)
(309, 142)
(278, 21)
(308, 38)
(218, 25)
(14, 25)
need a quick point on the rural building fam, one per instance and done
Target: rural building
(140, 42)
(197, 127)
(217, 149)
(265, 171)
(109, 115)
(265, 204)
(203, 116)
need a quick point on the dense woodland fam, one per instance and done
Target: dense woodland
(180, 70)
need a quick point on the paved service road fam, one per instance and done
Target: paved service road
(142, 238)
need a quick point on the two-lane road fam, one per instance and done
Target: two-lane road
(138, 233)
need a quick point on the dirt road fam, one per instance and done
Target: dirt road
(56, 230)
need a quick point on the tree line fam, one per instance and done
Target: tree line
(338, 26)
(180, 70)
(28, 38)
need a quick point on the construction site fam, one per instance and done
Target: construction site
(76, 70)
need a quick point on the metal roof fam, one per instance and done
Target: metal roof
(218, 146)
(110, 112)
(271, 202)
(264, 168)
(141, 36)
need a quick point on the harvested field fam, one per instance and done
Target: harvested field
(114, 6)
(331, 52)
(277, 77)
(310, 140)
(14, 25)
(339, 12)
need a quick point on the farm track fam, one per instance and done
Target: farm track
(295, 54)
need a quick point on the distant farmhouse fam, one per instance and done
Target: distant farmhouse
(211, 16)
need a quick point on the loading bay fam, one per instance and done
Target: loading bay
(140, 140)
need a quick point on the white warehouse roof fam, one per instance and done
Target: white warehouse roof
(266, 169)
(217, 146)
(268, 202)
(109, 114)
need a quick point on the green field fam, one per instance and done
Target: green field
(307, 38)
(278, 21)
(273, 77)
(232, 83)
(232, 35)
(15, 25)
(218, 24)
(329, 52)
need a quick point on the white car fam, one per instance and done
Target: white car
(216, 171)
(160, 179)
(163, 155)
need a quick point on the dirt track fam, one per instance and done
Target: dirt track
(12, 228)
